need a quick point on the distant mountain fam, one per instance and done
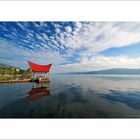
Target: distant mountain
(111, 71)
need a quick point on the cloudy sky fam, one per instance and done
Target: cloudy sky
(71, 46)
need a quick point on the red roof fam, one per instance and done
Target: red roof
(39, 68)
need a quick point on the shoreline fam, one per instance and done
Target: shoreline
(22, 81)
(14, 81)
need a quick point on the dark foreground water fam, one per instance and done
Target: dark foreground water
(73, 96)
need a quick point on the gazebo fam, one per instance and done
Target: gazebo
(39, 68)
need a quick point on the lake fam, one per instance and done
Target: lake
(73, 96)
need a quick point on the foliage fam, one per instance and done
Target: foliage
(8, 72)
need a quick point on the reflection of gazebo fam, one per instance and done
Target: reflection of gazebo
(37, 93)
(39, 69)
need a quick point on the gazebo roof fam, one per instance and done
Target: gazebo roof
(39, 68)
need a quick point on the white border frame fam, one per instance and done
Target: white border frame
(69, 11)
(69, 128)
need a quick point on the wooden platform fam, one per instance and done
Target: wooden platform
(45, 81)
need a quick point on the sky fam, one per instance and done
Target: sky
(71, 46)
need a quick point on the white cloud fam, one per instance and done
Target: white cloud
(3, 28)
(45, 37)
(57, 30)
(20, 56)
(102, 62)
(20, 25)
(30, 35)
(39, 37)
(92, 37)
(68, 29)
(36, 25)
(115, 62)
(101, 36)
(78, 25)
(97, 37)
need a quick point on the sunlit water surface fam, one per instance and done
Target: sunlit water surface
(74, 96)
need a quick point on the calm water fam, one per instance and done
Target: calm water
(73, 96)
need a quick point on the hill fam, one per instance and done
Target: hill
(111, 71)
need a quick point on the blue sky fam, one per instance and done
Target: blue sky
(71, 46)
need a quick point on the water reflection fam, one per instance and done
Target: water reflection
(130, 98)
(38, 91)
(73, 96)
